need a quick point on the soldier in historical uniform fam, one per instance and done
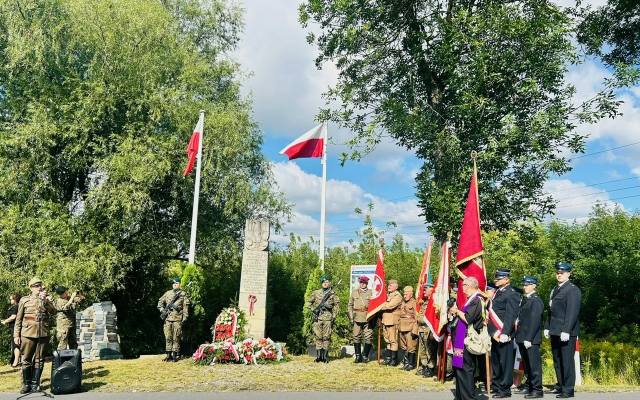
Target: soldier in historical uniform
(324, 304)
(357, 311)
(408, 329)
(428, 346)
(66, 318)
(174, 308)
(31, 333)
(529, 337)
(563, 329)
(390, 321)
(501, 327)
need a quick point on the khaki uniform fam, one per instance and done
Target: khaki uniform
(322, 328)
(408, 328)
(66, 322)
(32, 327)
(358, 307)
(428, 344)
(175, 319)
(391, 319)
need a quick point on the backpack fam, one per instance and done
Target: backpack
(478, 342)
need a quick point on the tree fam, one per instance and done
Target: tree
(97, 103)
(446, 78)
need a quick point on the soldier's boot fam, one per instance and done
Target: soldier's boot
(35, 385)
(387, 357)
(412, 362)
(427, 372)
(394, 358)
(168, 357)
(357, 348)
(175, 356)
(365, 352)
(405, 360)
(26, 380)
(325, 356)
(318, 355)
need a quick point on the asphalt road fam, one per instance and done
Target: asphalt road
(445, 395)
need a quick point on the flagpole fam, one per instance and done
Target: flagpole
(324, 194)
(196, 197)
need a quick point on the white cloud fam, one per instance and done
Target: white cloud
(575, 199)
(572, 3)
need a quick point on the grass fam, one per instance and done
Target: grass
(150, 374)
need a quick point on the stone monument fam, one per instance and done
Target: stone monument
(97, 332)
(253, 281)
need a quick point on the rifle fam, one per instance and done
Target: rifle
(171, 306)
(315, 313)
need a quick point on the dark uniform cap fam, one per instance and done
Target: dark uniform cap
(490, 286)
(325, 277)
(60, 289)
(427, 285)
(502, 273)
(363, 279)
(175, 280)
(530, 280)
(564, 267)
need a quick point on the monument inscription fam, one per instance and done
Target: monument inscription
(253, 281)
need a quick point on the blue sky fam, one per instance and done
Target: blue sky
(286, 89)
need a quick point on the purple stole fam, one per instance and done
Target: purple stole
(461, 334)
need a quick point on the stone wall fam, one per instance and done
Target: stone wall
(97, 332)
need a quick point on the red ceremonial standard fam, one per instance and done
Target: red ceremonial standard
(424, 277)
(192, 148)
(436, 311)
(309, 145)
(379, 295)
(470, 249)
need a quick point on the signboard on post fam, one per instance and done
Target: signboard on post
(362, 270)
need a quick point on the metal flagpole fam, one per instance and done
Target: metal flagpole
(196, 196)
(324, 193)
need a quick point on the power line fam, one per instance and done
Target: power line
(604, 151)
(600, 192)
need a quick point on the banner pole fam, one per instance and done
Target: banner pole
(196, 197)
(323, 195)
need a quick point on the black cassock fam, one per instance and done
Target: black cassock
(563, 317)
(530, 330)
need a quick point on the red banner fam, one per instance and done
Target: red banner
(379, 295)
(423, 278)
(436, 312)
(470, 249)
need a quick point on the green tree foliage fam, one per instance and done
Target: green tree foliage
(97, 104)
(445, 78)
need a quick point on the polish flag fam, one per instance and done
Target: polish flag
(435, 314)
(192, 148)
(309, 145)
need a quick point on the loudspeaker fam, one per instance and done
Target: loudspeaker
(66, 371)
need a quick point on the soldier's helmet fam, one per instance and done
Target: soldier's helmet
(60, 289)
(34, 281)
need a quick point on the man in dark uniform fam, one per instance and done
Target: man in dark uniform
(529, 337)
(563, 329)
(502, 328)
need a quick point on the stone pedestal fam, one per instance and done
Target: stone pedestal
(97, 332)
(253, 281)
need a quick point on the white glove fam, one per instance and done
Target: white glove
(564, 337)
(503, 338)
(527, 344)
(546, 333)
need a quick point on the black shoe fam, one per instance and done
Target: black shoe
(168, 357)
(394, 358)
(318, 356)
(556, 390)
(411, 362)
(175, 356)
(501, 395)
(357, 350)
(387, 357)
(564, 395)
(26, 380)
(365, 352)
(449, 376)
(427, 372)
(405, 361)
(35, 383)
(534, 395)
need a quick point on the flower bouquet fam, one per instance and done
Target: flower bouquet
(230, 323)
(249, 351)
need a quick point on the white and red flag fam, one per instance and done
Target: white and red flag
(309, 145)
(379, 295)
(470, 248)
(194, 146)
(436, 312)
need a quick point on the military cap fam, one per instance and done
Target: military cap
(563, 267)
(60, 289)
(502, 273)
(530, 280)
(408, 289)
(325, 277)
(363, 279)
(175, 280)
(34, 281)
(427, 285)
(392, 281)
(490, 286)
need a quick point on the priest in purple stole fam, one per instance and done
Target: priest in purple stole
(463, 361)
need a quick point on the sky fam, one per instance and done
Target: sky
(286, 89)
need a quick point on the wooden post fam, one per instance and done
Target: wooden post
(488, 369)
(379, 337)
(442, 366)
